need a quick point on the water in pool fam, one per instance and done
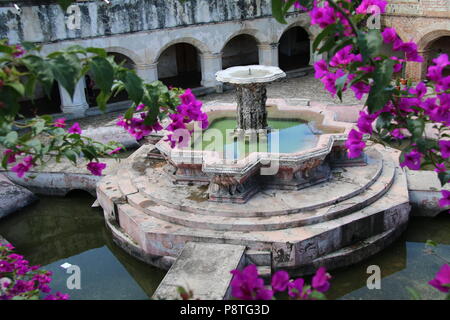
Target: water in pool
(58, 230)
(287, 136)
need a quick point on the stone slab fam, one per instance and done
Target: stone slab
(425, 191)
(13, 197)
(203, 268)
(3, 240)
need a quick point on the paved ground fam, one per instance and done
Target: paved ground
(296, 88)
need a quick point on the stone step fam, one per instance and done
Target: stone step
(258, 258)
(345, 184)
(188, 219)
(265, 272)
(351, 254)
(203, 268)
(289, 247)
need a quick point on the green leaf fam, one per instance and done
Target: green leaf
(416, 127)
(133, 85)
(414, 294)
(18, 86)
(380, 92)
(444, 177)
(66, 70)
(103, 73)
(278, 12)
(98, 51)
(369, 43)
(65, 4)
(102, 99)
(325, 32)
(41, 68)
(71, 155)
(12, 137)
(384, 121)
(431, 243)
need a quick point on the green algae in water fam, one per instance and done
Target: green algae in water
(288, 136)
(57, 230)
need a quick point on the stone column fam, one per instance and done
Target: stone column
(210, 64)
(268, 54)
(76, 105)
(148, 72)
(314, 56)
(251, 106)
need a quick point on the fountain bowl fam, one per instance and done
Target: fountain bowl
(250, 74)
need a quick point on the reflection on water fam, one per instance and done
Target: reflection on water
(58, 230)
(403, 264)
(287, 136)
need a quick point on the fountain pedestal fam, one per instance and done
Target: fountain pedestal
(251, 106)
(251, 96)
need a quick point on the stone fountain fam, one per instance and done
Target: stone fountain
(318, 208)
(251, 96)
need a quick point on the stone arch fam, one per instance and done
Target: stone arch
(135, 58)
(425, 45)
(294, 47)
(299, 23)
(180, 63)
(430, 37)
(255, 33)
(240, 49)
(202, 47)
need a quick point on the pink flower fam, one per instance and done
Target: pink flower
(21, 168)
(280, 280)
(366, 4)
(365, 122)
(396, 133)
(412, 160)
(322, 16)
(60, 123)
(296, 288)
(320, 280)
(445, 200)
(420, 90)
(360, 88)
(75, 128)
(440, 167)
(96, 168)
(442, 279)
(11, 156)
(354, 144)
(444, 146)
(321, 69)
(19, 51)
(246, 285)
(116, 150)
(389, 35)
(140, 107)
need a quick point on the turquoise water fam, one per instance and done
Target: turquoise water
(58, 230)
(286, 136)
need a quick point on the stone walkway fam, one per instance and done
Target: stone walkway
(306, 87)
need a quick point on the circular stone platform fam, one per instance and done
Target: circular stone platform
(355, 214)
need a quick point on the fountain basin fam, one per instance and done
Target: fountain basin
(250, 74)
(237, 179)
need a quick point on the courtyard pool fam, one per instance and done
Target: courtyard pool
(59, 230)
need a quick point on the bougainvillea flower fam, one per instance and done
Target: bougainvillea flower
(280, 280)
(60, 123)
(320, 280)
(444, 146)
(412, 160)
(75, 128)
(442, 279)
(96, 168)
